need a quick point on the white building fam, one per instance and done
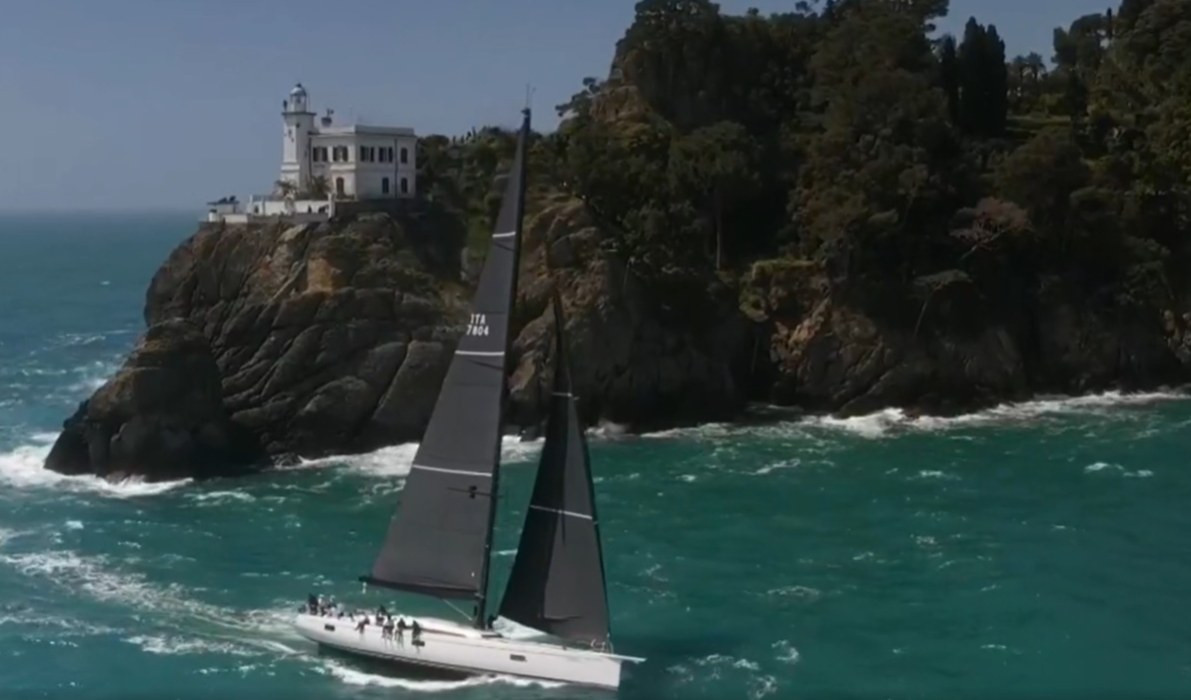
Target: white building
(355, 161)
(325, 162)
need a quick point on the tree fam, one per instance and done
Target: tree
(715, 165)
(285, 188)
(1042, 174)
(996, 82)
(949, 76)
(674, 54)
(983, 80)
(318, 188)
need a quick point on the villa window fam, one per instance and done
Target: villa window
(339, 186)
(384, 185)
(404, 155)
(390, 150)
(404, 186)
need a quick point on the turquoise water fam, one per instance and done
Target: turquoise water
(1037, 550)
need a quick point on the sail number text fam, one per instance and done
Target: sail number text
(478, 325)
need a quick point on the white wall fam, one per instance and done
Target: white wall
(365, 179)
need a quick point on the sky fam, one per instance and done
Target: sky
(165, 104)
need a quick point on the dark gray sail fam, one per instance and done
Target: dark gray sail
(557, 582)
(438, 540)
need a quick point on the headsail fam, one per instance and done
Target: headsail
(438, 541)
(557, 582)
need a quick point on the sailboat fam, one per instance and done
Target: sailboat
(439, 542)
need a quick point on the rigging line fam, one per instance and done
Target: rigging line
(451, 605)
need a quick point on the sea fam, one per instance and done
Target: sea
(1034, 550)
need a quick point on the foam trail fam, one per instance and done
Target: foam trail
(170, 645)
(207, 626)
(353, 676)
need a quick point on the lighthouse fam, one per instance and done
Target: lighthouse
(298, 124)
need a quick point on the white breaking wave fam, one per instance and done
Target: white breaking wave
(387, 462)
(353, 676)
(22, 468)
(891, 420)
(6, 535)
(784, 464)
(218, 497)
(1117, 469)
(786, 653)
(396, 460)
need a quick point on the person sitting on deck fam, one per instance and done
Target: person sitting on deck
(311, 603)
(362, 624)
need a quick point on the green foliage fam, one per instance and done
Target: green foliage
(982, 81)
(1042, 174)
(841, 135)
(716, 165)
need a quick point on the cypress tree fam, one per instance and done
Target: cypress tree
(949, 77)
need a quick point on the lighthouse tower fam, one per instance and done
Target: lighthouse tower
(299, 126)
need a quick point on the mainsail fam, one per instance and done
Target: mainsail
(438, 541)
(557, 582)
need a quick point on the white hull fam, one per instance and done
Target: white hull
(448, 646)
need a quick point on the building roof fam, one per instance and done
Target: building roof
(365, 129)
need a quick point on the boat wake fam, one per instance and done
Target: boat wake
(182, 625)
(353, 676)
(173, 607)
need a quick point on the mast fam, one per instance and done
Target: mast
(518, 178)
(439, 541)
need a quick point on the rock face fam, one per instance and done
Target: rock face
(953, 349)
(271, 342)
(328, 337)
(161, 416)
(637, 358)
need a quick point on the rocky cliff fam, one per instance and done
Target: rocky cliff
(954, 347)
(270, 342)
(312, 339)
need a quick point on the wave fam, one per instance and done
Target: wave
(170, 645)
(209, 628)
(353, 676)
(1117, 469)
(396, 460)
(22, 468)
(881, 423)
(891, 421)
(222, 497)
